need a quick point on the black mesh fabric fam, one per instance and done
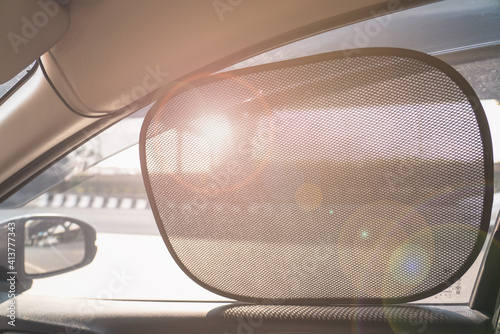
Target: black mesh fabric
(398, 314)
(352, 319)
(331, 179)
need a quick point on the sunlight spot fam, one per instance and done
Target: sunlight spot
(215, 128)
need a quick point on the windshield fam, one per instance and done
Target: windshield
(100, 182)
(7, 86)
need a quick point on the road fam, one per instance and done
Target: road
(132, 262)
(122, 221)
(119, 220)
(43, 259)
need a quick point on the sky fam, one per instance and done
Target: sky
(492, 110)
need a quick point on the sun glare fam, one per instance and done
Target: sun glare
(215, 128)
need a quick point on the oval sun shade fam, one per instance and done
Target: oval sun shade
(326, 179)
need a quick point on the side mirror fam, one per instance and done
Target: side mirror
(41, 246)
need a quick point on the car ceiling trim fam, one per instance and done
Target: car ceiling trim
(83, 111)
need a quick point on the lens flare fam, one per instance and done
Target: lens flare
(371, 237)
(214, 128)
(410, 264)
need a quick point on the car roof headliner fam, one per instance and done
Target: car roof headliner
(106, 58)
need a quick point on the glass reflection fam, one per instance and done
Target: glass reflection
(52, 245)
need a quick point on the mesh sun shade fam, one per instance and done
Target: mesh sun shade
(324, 179)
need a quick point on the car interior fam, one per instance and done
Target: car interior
(249, 166)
